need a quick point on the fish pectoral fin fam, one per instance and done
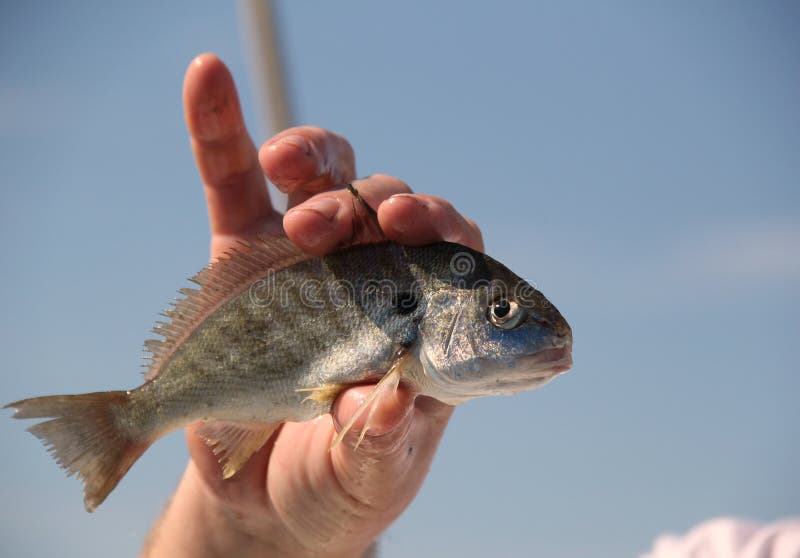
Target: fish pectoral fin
(234, 442)
(386, 385)
(326, 393)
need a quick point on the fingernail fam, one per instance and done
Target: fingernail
(408, 198)
(296, 141)
(327, 207)
(356, 398)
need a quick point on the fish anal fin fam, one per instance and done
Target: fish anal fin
(234, 442)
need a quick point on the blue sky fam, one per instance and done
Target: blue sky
(637, 162)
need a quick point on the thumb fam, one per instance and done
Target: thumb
(387, 469)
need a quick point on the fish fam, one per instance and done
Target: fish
(273, 335)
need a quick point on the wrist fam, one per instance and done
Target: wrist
(194, 524)
(197, 524)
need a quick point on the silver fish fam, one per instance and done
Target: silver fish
(274, 335)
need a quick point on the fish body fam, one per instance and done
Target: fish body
(273, 335)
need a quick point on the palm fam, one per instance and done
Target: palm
(297, 486)
(295, 479)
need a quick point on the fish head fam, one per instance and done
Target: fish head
(489, 332)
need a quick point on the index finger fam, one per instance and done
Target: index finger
(236, 193)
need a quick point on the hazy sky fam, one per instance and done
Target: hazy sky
(638, 162)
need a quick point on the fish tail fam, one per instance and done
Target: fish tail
(86, 436)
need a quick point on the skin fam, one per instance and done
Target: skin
(295, 498)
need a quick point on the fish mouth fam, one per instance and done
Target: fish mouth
(529, 372)
(550, 361)
(513, 375)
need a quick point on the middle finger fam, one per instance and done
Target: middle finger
(332, 219)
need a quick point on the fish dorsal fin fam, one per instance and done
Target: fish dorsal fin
(234, 442)
(236, 270)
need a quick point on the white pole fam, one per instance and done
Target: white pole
(262, 44)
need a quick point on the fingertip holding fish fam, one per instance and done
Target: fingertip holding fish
(313, 224)
(379, 397)
(402, 212)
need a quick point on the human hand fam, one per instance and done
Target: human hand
(295, 497)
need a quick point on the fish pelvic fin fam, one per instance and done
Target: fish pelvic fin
(85, 437)
(234, 442)
(326, 393)
(387, 385)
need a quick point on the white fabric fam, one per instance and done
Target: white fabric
(732, 538)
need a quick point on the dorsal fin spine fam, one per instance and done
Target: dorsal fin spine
(222, 280)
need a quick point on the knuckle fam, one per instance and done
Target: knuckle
(330, 142)
(343, 142)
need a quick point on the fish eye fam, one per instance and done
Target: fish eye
(505, 314)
